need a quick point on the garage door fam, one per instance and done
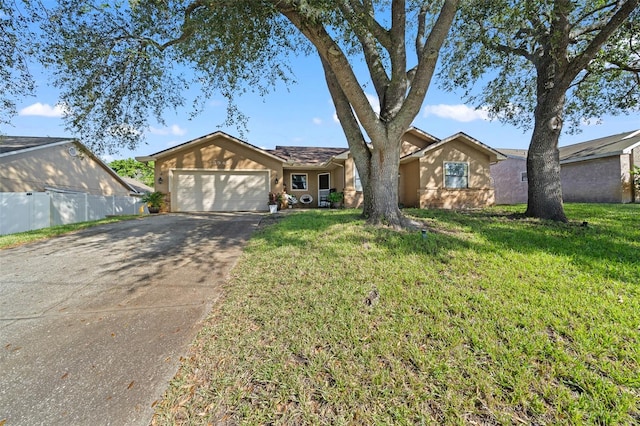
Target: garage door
(198, 191)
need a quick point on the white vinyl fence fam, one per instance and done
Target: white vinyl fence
(25, 211)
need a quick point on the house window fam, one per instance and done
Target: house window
(523, 177)
(299, 182)
(456, 175)
(357, 184)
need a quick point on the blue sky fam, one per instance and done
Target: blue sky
(300, 114)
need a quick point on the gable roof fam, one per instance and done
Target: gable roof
(140, 187)
(13, 145)
(493, 154)
(201, 139)
(307, 156)
(622, 143)
(18, 144)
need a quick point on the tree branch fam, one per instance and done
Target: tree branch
(368, 42)
(426, 67)
(335, 59)
(581, 61)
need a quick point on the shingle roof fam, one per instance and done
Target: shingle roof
(304, 155)
(137, 185)
(18, 143)
(602, 147)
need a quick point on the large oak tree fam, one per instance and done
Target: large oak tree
(547, 62)
(120, 63)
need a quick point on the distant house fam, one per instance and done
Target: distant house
(38, 164)
(599, 171)
(219, 172)
(510, 177)
(595, 171)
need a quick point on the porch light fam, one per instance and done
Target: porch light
(160, 180)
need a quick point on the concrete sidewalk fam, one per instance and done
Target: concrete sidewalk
(93, 324)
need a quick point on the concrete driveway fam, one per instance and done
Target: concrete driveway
(93, 324)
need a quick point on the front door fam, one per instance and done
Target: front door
(324, 185)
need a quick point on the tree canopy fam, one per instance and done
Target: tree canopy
(504, 42)
(129, 167)
(17, 47)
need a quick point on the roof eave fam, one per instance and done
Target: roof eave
(35, 148)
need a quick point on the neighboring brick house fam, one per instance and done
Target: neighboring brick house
(510, 177)
(595, 171)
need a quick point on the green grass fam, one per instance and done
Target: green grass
(12, 240)
(489, 320)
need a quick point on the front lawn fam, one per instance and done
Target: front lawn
(488, 320)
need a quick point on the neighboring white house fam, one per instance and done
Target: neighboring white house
(37, 164)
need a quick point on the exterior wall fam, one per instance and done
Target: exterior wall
(336, 180)
(217, 153)
(312, 184)
(507, 180)
(433, 194)
(54, 167)
(352, 198)
(409, 184)
(593, 181)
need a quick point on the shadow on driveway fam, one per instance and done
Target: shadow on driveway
(93, 324)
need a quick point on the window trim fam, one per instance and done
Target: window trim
(357, 183)
(444, 174)
(306, 181)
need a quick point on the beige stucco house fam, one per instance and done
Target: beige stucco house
(595, 171)
(219, 172)
(38, 164)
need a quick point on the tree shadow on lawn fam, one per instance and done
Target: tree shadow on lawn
(607, 244)
(608, 247)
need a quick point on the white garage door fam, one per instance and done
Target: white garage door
(206, 191)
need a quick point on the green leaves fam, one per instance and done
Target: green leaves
(129, 167)
(510, 46)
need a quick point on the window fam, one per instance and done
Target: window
(299, 182)
(357, 184)
(456, 175)
(523, 177)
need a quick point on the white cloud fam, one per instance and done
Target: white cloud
(317, 121)
(174, 130)
(44, 110)
(458, 112)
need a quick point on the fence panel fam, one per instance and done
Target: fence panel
(68, 208)
(23, 211)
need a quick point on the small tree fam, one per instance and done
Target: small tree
(134, 169)
(547, 63)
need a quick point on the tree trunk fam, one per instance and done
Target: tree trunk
(381, 191)
(543, 161)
